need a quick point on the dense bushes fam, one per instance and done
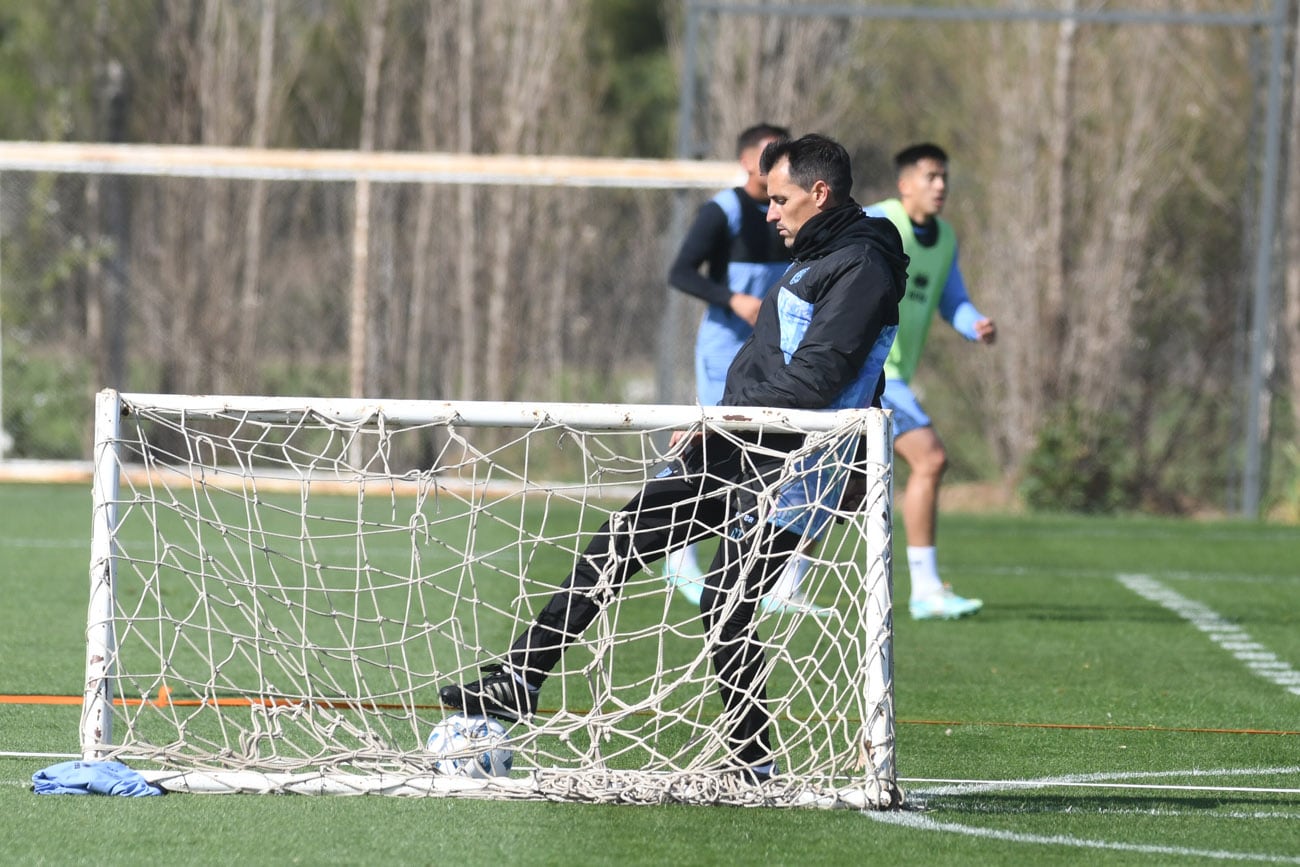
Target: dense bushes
(1079, 465)
(47, 411)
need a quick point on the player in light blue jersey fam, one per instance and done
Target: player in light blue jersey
(729, 258)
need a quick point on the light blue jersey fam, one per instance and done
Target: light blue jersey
(806, 506)
(722, 332)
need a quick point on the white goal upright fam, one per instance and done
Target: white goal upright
(279, 587)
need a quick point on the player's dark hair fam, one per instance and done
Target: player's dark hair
(813, 158)
(913, 154)
(757, 133)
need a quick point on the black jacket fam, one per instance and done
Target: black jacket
(822, 336)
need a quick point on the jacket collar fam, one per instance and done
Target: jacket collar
(828, 231)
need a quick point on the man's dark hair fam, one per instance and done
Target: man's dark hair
(913, 154)
(757, 133)
(813, 158)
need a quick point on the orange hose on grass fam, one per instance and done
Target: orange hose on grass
(165, 698)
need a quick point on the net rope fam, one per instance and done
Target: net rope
(290, 593)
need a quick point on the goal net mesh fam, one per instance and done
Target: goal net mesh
(275, 603)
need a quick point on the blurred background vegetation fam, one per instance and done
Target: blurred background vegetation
(1105, 188)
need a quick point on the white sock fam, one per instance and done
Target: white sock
(682, 562)
(921, 564)
(791, 577)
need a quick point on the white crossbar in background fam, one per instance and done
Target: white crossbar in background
(377, 166)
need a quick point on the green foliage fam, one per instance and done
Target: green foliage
(304, 378)
(45, 81)
(46, 408)
(1079, 464)
(1283, 471)
(628, 46)
(46, 259)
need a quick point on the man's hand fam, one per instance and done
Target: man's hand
(986, 331)
(679, 435)
(855, 491)
(745, 306)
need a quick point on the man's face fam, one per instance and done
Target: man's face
(789, 205)
(922, 189)
(755, 183)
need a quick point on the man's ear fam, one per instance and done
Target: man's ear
(821, 193)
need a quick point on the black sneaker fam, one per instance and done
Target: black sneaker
(497, 694)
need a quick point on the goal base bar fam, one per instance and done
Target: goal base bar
(612, 787)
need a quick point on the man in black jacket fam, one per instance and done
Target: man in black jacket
(820, 342)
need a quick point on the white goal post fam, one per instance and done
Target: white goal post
(279, 587)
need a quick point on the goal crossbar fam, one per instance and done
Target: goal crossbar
(595, 416)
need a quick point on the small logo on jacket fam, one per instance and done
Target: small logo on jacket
(798, 275)
(738, 532)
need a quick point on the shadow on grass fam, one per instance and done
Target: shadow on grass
(1021, 803)
(1004, 613)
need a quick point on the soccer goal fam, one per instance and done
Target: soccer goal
(279, 587)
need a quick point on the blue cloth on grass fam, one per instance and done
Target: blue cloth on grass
(92, 778)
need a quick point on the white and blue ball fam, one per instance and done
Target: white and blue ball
(470, 746)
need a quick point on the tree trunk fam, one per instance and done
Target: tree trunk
(360, 318)
(248, 293)
(1052, 248)
(413, 365)
(1291, 250)
(466, 279)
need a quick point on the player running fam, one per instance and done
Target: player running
(934, 282)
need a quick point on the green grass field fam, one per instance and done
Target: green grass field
(1130, 695)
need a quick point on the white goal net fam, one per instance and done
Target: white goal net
(277, 598)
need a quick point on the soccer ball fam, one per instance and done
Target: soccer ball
(470, 746)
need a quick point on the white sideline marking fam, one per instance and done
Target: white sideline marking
(921, 822)
(1158, 812)
(45, 543)
(917, 821)
(1227, 635)
(971, 787)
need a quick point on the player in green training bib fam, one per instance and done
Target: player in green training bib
(934, 282)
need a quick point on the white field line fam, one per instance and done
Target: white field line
(967, 786)
(1122, 779)
(921, 822)
(1156, 812)
(47, 543)
(1234, 533)
(1228, 636)
(1288, 578)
